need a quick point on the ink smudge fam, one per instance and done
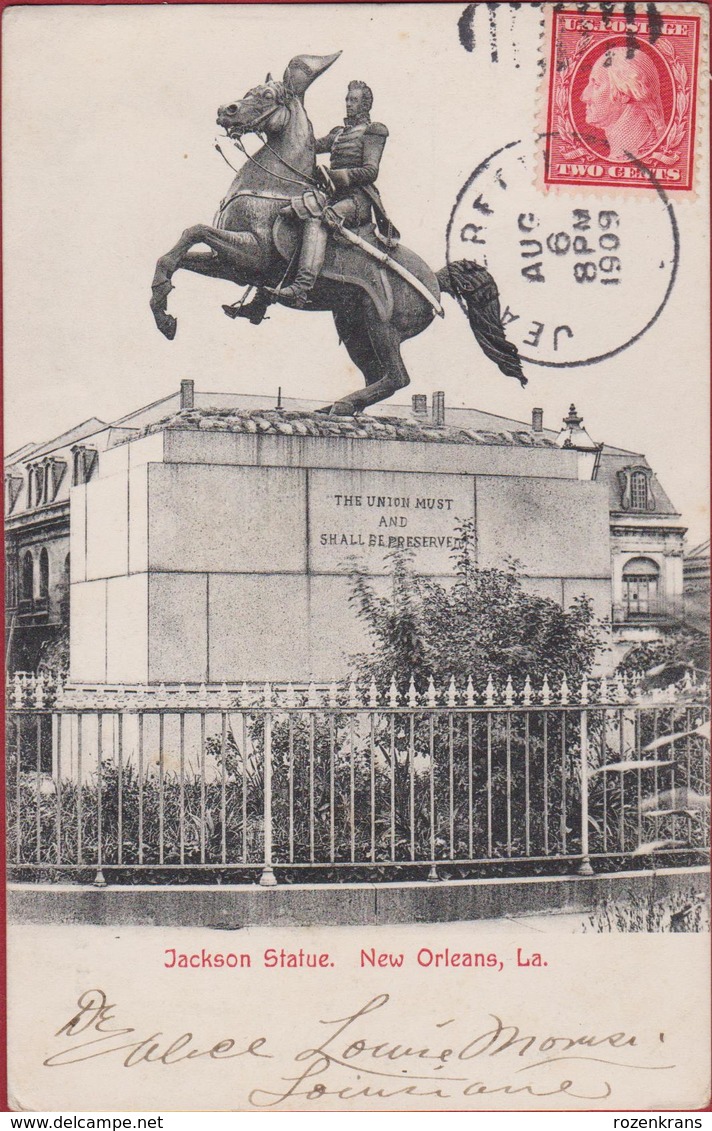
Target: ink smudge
(482, 206)
(655, 22)
(466, 28)
(514, 7)
(492, 10)
(630, 39)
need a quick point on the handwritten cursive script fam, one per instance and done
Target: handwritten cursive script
(358, 1060)
(95, 1017)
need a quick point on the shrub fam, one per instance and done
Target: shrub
(485, 623)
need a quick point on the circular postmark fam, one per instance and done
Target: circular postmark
(580, 279)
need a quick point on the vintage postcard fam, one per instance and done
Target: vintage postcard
(357, 556)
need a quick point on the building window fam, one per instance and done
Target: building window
(84, 464)
(56, 469)
(636, 489)
(641, 578)
(44, 573)
(13, 487)
(28, 577)
(37, 485)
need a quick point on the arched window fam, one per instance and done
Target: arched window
(40, 496)
(28, 577)
(44, 573)
(640, 587)
(84, 464)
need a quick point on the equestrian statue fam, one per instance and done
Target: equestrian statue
(314, 238)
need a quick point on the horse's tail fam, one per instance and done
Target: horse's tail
(472, 285)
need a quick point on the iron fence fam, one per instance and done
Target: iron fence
(336, 782)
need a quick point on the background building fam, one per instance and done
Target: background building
(626, 536)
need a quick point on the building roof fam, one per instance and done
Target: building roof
(613, 461)
(701, 551)
(79, 432)
(241, 412)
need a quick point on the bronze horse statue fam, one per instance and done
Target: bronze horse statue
(253, 243)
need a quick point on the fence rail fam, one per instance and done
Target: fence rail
(345, 780)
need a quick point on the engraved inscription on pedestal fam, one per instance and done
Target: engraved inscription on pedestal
(365, 515)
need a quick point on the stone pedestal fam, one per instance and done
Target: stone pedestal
(218, 547)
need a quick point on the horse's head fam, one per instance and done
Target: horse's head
(266, 107)
(263, 107)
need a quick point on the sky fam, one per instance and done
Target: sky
(109, 129)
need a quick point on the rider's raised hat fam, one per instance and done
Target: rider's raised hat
(303, 69)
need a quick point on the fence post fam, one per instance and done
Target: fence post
(99, 881)
(268, 878)
(584, 868)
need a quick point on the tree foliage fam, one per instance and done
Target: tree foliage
(662, 662)
(484, 623)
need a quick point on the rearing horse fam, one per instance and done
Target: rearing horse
(252, 243)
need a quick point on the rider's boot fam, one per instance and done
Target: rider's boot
(311, 261)
(254, 310)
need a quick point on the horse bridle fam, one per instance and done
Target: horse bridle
(304, 180)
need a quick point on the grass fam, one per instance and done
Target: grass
(683, 911)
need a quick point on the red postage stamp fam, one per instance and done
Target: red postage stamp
(621, 100)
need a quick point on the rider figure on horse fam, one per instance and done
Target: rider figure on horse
(355, 155)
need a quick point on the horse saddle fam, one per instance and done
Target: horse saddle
(343, 262)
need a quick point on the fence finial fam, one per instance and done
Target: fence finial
(267, 693)
(527, 693)
(620, 695)
(244, 695)
(372, 694)
(203, 696)
(224, 700)
(564, 693)
(289, 697)
(431, 692)
(545, 692)
(451, 693)
(470, 693)
(509, 692)
(604, 693)
(584, 691)
(393, 693)
(312, 700)
(17, 690)
(489, 692)
(182, 696)
(333, 694)
(353, 694)
(412, 697)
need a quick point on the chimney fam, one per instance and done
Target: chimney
(420, 404)
(537, 420)
(187, 394)
(439, 409)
